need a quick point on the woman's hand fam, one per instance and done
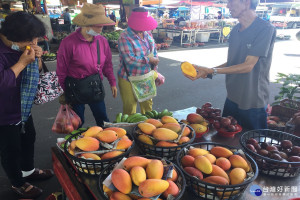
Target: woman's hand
(114, 91)
(38, 50)
(153, 61)
(27, 57)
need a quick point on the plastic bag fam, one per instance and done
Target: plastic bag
(66, 120)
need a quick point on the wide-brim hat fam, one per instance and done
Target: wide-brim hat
(139, 20)
(92, 14)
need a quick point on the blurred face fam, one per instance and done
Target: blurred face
(96, 28)
(23, 45)
(237, 7)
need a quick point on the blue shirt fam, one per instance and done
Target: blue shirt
(67, 17)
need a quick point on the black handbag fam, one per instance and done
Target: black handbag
(87, 90)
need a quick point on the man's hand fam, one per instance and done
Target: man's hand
(153, 61)
(202, 72)
(114, 91)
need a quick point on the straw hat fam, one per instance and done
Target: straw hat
(92, 14)
(139, 20)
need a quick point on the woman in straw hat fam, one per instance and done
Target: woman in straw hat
(77, 56)
(138, 52)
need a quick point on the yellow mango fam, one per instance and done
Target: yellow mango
(155, 122)
(121, 180)
(168, 119)
(237, 176)
(239, 161)
(120, 131)
(135, 161)
(221, 152)
(107, 136)
(203, 164)
(87, 144)
(124, 144)
(92, 131)
(145, 139)
(188, 69)
(138, 175)
(146, 128)
(164, 134)
(155, 169)
(153, 187)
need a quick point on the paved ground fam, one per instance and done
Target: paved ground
(177, 93)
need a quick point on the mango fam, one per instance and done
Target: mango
(237, 176)
(168, 119)
(138, 175)
(197, 152)
(203, 164)
(153, 187)
(219, 180)
(199, 128)
(121, 180)
(92, 131)
(71, 151)
(73, 145)
(211, 158)
(87, 144)
(124, 144)
(90, 156)
(172, 189)
(221, 152)
(218, 171)
(134, 196)
(205, 123)
(194, 172)
(164, 134)
(174, 176)
(172, 126)
(188, 69)
(125, 137)
(135, 161)
(155, 122)
(184, 121)
(146, 128)
(186, 131)
(183, 140)
(111, 154)
(224, 163)
(166, 144)
(145, 139)
(107, 190)
(119, 196)
(239, 161)
(194, 118)
(225, 195)
(155, 169)
(188, 161)
(120, 131)
(107, 136)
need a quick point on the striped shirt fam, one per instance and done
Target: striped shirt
(134, 52)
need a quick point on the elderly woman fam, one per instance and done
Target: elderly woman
(19, 73)
(138, 56)
(85, 55)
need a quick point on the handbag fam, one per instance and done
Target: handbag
(48, 87)
(87, 90)
(143, 86)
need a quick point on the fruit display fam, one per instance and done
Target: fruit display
(209, 112)
(198, 123)
(49, 56)
(275, 122)
(212, 170)
(276, 153)
(94, 148)
(142, 177)
(138, 117)
(163, 137)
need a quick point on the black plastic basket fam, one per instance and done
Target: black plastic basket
(267, 165)
(206, 190)
(93, 167)
(168, 153)
(181, 183)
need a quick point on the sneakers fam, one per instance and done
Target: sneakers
(27, 191)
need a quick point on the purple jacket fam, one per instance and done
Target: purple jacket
(10, 97)
(77, 58)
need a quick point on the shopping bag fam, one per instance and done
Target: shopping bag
(48, 87)
(160, 79)
(143, 86)
(75, 119)
(63, 121)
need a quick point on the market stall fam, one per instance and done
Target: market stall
(78, 184)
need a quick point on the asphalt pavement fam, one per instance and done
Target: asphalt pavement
(177, 93)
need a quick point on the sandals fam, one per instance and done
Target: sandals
(27, 191)
(39, 174)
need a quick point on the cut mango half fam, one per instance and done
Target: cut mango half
(27, 47)
(188, 69)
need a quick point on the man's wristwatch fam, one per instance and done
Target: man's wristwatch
(215, 71)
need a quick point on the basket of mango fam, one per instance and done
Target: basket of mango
(92, 149)
(142, 177)
(163, 137)
(216, 171)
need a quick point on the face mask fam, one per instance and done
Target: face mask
(92, 32)
(15, 47)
